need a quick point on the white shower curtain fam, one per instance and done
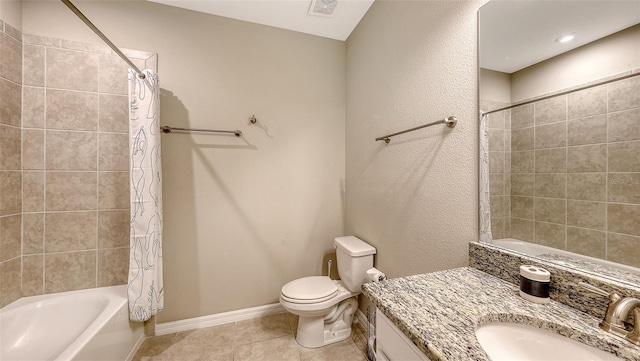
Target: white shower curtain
(485, 209)
(145, 291)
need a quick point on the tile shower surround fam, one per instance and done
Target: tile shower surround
(74, 169)
(574, 172)
(10, 163)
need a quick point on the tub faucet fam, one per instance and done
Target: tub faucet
(619, 312)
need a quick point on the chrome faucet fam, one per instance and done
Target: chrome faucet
(634, 336)
(619, 312)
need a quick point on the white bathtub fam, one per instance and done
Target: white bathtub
(533, 249)
(90, 324)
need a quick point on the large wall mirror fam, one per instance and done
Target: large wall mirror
(562, 160)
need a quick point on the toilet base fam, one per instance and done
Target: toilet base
(316, 332)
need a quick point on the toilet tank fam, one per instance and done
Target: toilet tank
(354, 257)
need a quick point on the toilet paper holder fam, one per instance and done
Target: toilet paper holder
(375, 275)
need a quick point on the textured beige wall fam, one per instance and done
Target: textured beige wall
(608, 56)
(242, 216)
(11, 13)
(495, 86)
(415, 199)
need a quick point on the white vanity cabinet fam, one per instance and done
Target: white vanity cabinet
(392, 344)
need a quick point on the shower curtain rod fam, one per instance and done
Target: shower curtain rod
(563, 93)
(103, 37)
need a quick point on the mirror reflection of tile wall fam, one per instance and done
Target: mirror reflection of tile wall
(574, 175)
(499, 125)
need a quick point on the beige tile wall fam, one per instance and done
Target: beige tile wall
(64, 190)
(10, 163)
(575, 172)
(75, 164)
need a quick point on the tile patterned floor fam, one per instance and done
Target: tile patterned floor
(270, 338)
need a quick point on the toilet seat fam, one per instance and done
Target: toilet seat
(316, 327)
(307, 290)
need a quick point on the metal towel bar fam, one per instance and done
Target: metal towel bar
(449, 121)
(168, 129)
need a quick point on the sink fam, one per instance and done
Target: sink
(510, 341)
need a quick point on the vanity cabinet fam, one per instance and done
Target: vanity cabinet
(392, 344)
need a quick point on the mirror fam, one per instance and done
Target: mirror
(563, 166)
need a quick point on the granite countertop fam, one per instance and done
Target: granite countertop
(440, 312)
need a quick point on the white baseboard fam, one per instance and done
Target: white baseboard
(362, 319)
(218, 319)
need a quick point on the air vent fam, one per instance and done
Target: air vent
(323, 7)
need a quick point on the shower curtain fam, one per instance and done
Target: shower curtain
(485, 211)
(145, 289)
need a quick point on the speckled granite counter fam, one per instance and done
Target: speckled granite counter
(440, 312)
(505, 264)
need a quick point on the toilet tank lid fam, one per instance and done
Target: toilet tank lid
(354, 246)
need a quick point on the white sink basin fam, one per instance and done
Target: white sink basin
(510, 342)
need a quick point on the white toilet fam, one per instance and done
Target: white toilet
(326, 307)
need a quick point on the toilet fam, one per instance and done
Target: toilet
(326, 307)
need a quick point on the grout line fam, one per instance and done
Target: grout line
(10, 215)
(22, 177)
(44, 168)
(578, 145)
(79, 171)
(73, 251)
(606, 179)
(12, 259)
(10, 126)
(77, 211)
(78, 131)
(566, 178)
(535, 203)
(11, 81)
(92, 92)
(98, 182)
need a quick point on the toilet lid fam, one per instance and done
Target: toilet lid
(310, 288)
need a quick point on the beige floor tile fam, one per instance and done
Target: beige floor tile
(154, 346)
(196, 344)
(340, 351)
(174, 352)
(237, 342)
(261, 329)
(277, 349)
(224, 355)
(293, 323)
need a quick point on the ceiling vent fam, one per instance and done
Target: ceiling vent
(322, 7)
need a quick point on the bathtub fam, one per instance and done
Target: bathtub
(533, 249)
(90, 324)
